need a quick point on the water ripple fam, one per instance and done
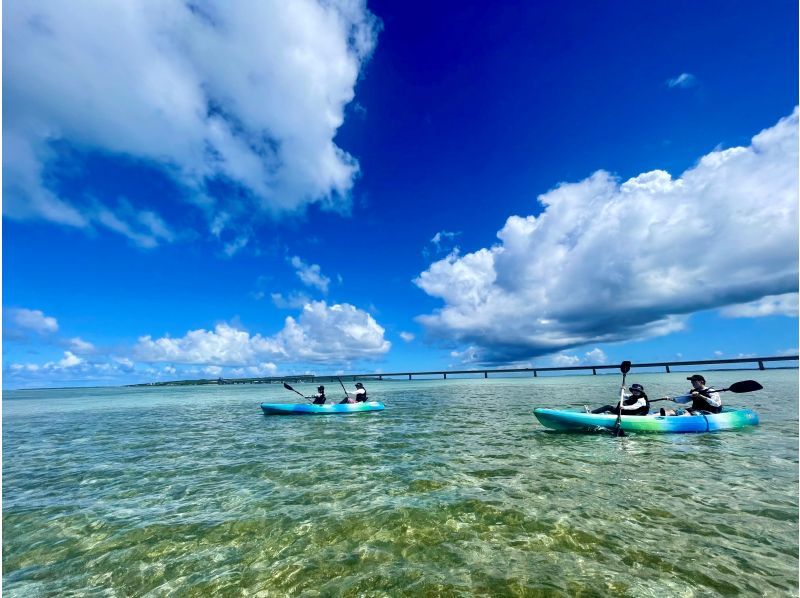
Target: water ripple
(454, 490)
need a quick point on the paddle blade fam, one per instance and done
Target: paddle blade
(745, 386)
(618, 432)
(287, 387)
(625, 367)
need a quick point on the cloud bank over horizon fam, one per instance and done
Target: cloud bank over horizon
(322, 334)
(607, 261)
(247, 96)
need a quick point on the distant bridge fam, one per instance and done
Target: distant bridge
(535, 371)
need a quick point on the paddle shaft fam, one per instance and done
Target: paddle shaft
(624, 367)
(343, 388)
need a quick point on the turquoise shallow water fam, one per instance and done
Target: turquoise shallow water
(453, 490)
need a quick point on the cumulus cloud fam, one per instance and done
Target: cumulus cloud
(608, 261)
(322, 333)
(310, 274)
(407, 336)
(249, 95)
(19, 321)
(683, 80)
(225, 345)
(773, 305)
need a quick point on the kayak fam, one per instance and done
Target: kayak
(580, 421)
(309, 409)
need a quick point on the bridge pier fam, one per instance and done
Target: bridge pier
(668, 369)
(535, 374)
(760, 365)
(485, 374)
(409, 376)
(445, 375)
(380, 377)
(594, 372)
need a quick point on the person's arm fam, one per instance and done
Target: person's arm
(682, 399)
(637, 405)
(713, 397)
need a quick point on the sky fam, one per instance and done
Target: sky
(196, 189)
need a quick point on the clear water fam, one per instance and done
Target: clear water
(453, 490)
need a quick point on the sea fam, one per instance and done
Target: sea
(454, 489)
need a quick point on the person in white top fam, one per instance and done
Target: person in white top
(634, 402)
(703, 398)
(360, 395)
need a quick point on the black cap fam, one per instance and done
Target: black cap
(638, 387)
(697, 377)
(320, 387)
(359, 385)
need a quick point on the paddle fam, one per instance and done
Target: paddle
(287, 387)
(346, 396)
(624, 367)
(737, 387)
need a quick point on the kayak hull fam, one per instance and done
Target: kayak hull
(579, 421)
(328, 409)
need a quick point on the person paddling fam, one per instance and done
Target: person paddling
(635, 402)
(360, 395)
(319, 398)
(703, 398)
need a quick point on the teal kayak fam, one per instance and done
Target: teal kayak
(329, 409)
(580, 421)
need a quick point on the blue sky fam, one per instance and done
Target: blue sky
(192, 190)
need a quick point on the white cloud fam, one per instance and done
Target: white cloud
(310, 274)
(146, 229)
(564, 360)
(249, 94)
(69, 360)
(225, 345)
(293, 300)
(772, 305)
(212, 370)
(78, 345)
(18, 320)
(469, 355)
(334, 333)
(683, 80)
(407, 336)
(607, 262)
(235, 246)
(442, 237)
(594, 357)
(443, 242)
(321, 333)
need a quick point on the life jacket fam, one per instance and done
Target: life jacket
(632, 400)
(699, 403)
(361, 397)
(319, 399)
